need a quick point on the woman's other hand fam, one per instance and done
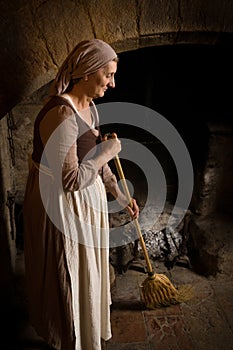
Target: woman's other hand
(134, 209)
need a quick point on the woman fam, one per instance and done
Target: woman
(65, 206)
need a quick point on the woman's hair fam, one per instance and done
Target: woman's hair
(71, 84)
(116, 59)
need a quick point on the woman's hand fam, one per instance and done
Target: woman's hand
(111, 146)
(134, 210)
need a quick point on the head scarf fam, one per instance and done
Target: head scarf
(86, 58)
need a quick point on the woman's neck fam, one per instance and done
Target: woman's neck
(81, 105)
(79, 98)
(79, 102)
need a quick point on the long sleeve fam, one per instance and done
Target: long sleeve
(59, 131)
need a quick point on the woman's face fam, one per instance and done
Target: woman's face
(101, 80)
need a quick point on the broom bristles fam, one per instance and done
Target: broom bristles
(158, 291)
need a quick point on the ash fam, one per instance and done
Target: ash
(163, 244)
(165, 237)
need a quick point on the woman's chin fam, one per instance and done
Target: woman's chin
(101, 94)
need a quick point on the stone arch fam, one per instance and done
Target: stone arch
(36, 36)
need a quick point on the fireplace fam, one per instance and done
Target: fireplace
(188, 86)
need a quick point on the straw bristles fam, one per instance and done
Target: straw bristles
(158, 291)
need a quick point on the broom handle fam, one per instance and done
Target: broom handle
(126, 190)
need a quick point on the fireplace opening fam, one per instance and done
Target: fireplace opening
(187, 85)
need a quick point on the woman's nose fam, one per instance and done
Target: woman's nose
(112, 82)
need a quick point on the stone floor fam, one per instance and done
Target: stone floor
(204, 322)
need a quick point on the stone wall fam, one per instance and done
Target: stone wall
(36, 35)
(16, 131)
(7, 239)
(216, 190)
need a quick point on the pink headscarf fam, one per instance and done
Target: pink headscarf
(86, 58)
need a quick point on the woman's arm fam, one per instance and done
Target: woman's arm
(112, 187)
(59, 132)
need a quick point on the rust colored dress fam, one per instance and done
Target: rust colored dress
(66, 231)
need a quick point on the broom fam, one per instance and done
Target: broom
(157, 289)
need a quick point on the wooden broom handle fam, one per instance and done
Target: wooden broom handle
(127, 194)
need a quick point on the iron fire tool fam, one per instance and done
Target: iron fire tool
(157, 289)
